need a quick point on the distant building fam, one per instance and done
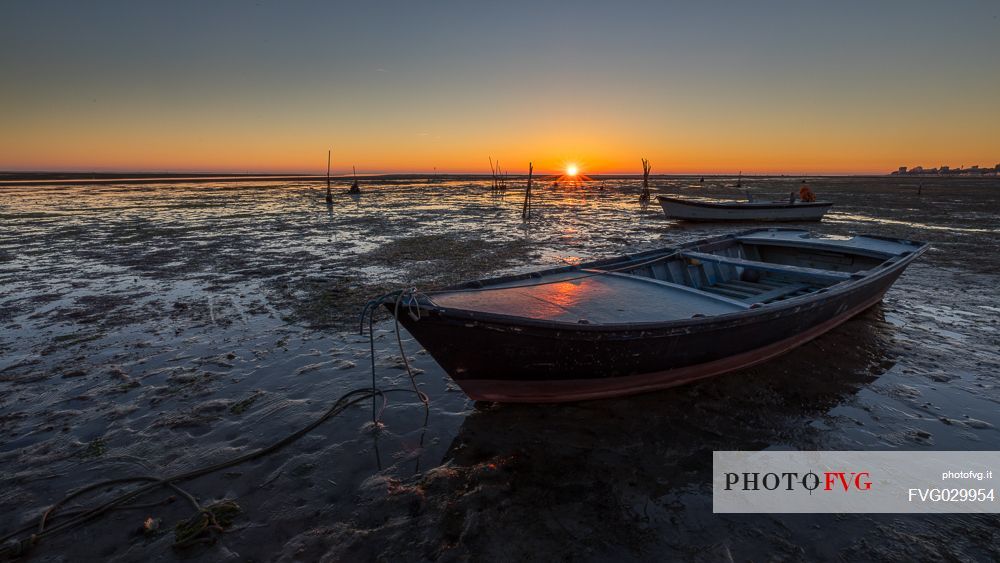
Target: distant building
(973, 170)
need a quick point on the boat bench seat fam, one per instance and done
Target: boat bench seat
(797, 272)
(777, 293)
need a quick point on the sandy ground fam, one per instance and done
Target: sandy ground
(148, 329)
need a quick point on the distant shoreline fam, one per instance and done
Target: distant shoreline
(58, 178)
(43, 179)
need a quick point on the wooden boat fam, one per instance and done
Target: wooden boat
(719, 210)
(653, 320)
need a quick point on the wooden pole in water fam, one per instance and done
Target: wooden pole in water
(526, 210)
(493, 174)
(645, 180)
(329, 195)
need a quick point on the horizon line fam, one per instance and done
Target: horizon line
(340, 174)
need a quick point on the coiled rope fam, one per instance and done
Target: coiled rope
(205, 519)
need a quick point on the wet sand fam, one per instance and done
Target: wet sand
(148, 329)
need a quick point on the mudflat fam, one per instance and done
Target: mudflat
(151, 328)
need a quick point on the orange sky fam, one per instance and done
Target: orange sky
(595, 147)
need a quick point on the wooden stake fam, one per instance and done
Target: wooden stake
(329, 195)
(493, 174)
(526, 210)
(646, 167)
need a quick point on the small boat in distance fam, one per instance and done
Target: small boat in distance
(721, 210)
(652, 320)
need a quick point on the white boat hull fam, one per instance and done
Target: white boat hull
(688, 210)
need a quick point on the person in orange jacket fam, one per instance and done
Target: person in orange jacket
(805, 194)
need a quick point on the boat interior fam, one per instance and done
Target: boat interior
(727, 276)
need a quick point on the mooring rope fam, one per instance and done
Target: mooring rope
(205, 519)
(396, 298)
(415, 314)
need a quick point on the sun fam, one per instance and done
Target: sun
(571, 170)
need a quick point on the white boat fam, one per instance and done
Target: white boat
(721, 210)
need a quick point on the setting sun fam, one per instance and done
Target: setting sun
(571, 170)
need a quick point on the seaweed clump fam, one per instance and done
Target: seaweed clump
(202, 527)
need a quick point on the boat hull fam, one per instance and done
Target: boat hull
(492, 360)
(686, 210)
